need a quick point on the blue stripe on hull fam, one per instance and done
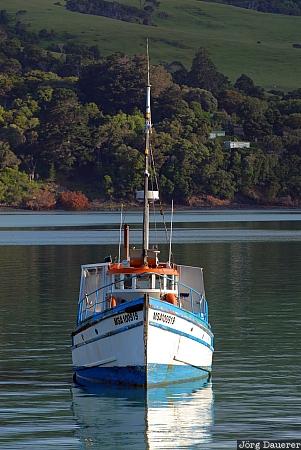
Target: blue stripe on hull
(130, 375)
(157, 374)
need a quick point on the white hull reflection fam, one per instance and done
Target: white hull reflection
(178, 416)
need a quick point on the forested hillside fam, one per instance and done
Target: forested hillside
(73, 120)
(289, 7)
(114, 10)
(264, 46)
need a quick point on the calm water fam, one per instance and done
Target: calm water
(252, 263)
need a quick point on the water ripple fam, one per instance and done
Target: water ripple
(111, 236)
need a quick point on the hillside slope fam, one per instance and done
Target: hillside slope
(289, 7)
(240, 41)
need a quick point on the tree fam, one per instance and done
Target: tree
(121, 129)
(10, 66)
(66, 139)
(204, 74)
(19, 122)
(7, 83)
(170, 104)
(108, 187)
(294, 121)
(15, 186)
(7, 156)
(181, 174)
(222, 184)
(178, 71)
(252, 113)
(232, 101)
(119, 83)
(246, 85)
(4, 19)
(205, 98)
(120, 163)
(124, 166)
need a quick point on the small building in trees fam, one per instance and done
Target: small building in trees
(228, 145)
(215, 134)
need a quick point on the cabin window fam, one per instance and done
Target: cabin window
(170, 282)
(118, 280)
(159, 283)
(128, 281)
(176, 282)
(144, 281)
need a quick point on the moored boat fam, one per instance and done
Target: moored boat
(141, 321)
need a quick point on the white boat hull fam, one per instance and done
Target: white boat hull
(146, 342)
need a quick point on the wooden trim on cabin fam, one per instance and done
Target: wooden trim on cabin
(118, 268)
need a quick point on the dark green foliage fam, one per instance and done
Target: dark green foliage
(289, 7)
(118, 83)
(114, 10)
(4, 17)
(204, 74)
(178, 71)
(89, 130)
(246, 85)
(15, 187)
(7, 156)
(120, 159)
(66, 138)
(205, 98)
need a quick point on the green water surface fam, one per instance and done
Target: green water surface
(254, 291)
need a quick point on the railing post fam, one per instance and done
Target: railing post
(80, 312)
(77, 317)
(96, 301)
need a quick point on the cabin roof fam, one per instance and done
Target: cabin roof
(161, 269)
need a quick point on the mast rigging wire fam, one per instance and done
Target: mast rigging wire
(120, 233)
(154, 207)
(157, 187)
(170, 234)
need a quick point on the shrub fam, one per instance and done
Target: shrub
(214, 201)
(15, 187)
(42, 199)
(73, 200)
(207, 200)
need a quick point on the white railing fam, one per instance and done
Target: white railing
(190, 300)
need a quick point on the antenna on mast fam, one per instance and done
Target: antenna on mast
(120, 230)
(148, 126)
(148, 76)
(170, 234)
(146, 195)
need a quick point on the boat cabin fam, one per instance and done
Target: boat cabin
(108, 285)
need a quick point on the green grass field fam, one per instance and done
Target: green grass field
(230, 34)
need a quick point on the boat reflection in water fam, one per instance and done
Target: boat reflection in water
(178, 416)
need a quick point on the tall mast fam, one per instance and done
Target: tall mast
(148, 127)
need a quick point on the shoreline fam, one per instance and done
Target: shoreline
(166, 208)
